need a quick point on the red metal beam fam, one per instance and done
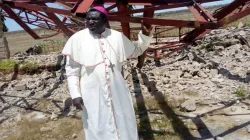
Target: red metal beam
(156, 2)
(165, 22)
(174, 46)
(11, 13)
(131, 2)
(161, 7)
(29, 1)
(229, 9)
(153, 8)
(60, 24)
(201, 15)
(62, 3)
(123, 7)
(37, 14)
(41, 8)
(111, 7)
(225, 11)
(84, 6)
(204, 13)
(235, 17)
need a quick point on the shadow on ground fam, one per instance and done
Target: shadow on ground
(146, 132)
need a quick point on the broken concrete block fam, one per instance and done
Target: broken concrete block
(20, 87)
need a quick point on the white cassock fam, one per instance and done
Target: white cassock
(108, 112)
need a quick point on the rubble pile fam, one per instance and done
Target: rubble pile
(42, 59)
(213, 68)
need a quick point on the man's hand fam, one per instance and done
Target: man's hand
(146, 28)
(78, 103)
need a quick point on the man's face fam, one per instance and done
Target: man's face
(95, 23)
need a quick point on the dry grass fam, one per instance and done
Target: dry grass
(242, 92)
(30, 129)
(161, 126)
(50, 45)
(20, 41)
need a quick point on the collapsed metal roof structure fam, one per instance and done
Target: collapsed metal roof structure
(63, 17)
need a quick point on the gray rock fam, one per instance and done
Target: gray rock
(126, 74)
(238, 121)
(180, 87)
(219, 138)
(53, 117)
(78, 114)
(191, 56)
(187, 75)
(213, 72)
(3, 86)
(2, 119)
(47, 75)
(38, 82)
(248, 129)
(165, 81)
(20, 87)
(242, 33)
(45, 129)
(202, 74)
(240, 25)
(4, 106)
(247, 79)
(233, 109)
(37, 49)
(39, 116)
(189, 105)
(237, 101)
(219, 48)
(244, 107)
(74, 136)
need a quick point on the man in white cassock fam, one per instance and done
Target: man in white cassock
(93, 68)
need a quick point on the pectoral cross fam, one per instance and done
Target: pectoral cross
(111, 66)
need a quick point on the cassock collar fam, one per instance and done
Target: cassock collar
(80, 51)
(103, 34)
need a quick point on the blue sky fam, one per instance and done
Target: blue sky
(13, 26)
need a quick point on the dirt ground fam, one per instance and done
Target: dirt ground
(20, 41)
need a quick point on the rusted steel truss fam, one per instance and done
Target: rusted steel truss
(65, 16)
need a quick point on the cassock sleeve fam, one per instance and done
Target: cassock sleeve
(136, 48)
(73, 77)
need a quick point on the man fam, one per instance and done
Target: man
(94, 62)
